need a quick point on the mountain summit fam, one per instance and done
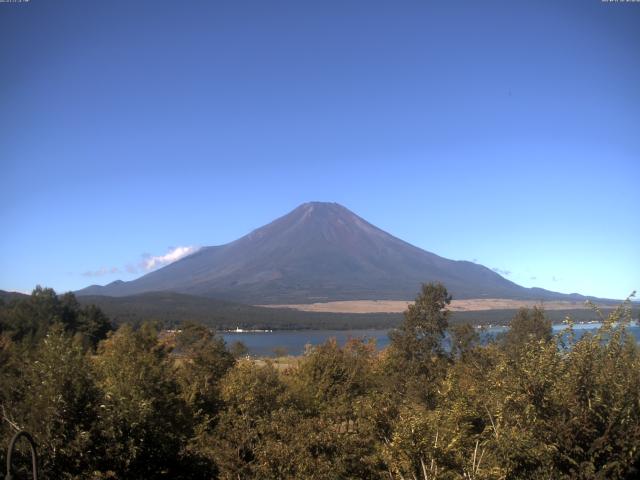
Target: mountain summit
(319, 252)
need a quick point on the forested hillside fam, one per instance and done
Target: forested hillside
(137, 404)
(171, 309)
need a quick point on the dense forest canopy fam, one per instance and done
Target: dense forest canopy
(134, 403)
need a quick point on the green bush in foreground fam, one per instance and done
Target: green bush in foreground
(147, 405)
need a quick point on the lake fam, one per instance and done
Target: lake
(294, 341)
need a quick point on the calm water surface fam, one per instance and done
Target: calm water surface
(294, 341)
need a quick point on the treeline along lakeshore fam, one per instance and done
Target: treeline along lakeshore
(128, 403)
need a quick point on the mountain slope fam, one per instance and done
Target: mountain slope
(319, 252)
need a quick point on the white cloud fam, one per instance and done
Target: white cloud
(151, 262)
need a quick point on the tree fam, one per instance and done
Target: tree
(143, 417)
(416, 353)
(56, 400)
(93, 325)
(528, 325)
(202, 363)
(204, 351)
(338, 387)
(597, 427)
(464, 339)
(335, 377)
(28, 319)
(250, 393)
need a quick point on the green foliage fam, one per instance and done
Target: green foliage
(251, 394)
(310, 422)
(425, 322)
(146, 405)
(527, 326)
(335, 377)
(598, 430)
(416, 352)
(338, 386)
(27, 319)
(203, 361)
(143, 415)
(56, 400)
(464, 339)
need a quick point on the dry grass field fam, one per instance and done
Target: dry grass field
(398, 306)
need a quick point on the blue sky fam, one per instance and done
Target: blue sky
(506, 133)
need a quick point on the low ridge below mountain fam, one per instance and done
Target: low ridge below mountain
(320, 252)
